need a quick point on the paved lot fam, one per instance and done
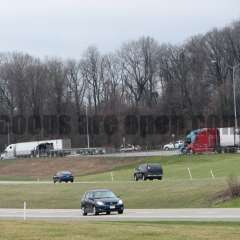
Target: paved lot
(205, 214)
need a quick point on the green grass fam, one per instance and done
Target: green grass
(36, 230)
(175, 191)
(234, 203)
(156, 194)
(175, 167)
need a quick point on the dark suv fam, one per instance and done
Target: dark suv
(101, 200)
(148, 171)
(63, 176)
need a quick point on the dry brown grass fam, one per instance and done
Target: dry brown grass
(232, 191)
(46, 167)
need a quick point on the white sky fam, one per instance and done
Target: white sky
(65, 28)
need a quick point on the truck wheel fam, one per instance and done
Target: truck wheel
(184, 150)
(120, 212)
(144, 178)
(166, 148)
(219, 150)
(135, 178)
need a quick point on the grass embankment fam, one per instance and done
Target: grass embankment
(36, 230)
(45, 168)
(175, 191)
(176, 167)
(98, 169)
(166, 194)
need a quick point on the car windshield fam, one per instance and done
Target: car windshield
(103, 194)
(64, 173)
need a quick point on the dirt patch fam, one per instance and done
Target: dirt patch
(47, 167)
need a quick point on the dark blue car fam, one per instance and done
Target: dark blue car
(63, 176)
(101, 201)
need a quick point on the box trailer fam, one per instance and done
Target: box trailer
(27, 149)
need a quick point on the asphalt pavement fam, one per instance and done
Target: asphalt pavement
(203, 214)
(138, 154)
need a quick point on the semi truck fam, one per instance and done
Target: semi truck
(212, 140)
(35, 148)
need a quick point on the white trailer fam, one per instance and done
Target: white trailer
(229, 140)
(25, 149)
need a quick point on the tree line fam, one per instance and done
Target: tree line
(157, 89)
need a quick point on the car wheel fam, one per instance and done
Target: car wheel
(166, 148)
(108, 213)
(95, 211)
(84, 213)
(144, 177)
(120, 212)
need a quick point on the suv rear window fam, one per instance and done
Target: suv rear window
(154, 166)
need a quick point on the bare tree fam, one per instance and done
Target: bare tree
(92, 66)
(139, 63)
(57, 88)
(76, 83)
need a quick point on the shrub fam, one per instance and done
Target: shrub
(233, 186)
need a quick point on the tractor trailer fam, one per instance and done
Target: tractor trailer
(212, 140)
(35, 148)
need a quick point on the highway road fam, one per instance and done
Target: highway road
(137, 154)
(205, 214)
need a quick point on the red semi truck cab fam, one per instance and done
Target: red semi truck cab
(211, 140)
(205, 140)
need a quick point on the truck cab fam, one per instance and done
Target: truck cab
(212, 140)
(201, 140)
(8, 153)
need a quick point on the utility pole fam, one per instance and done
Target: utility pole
(234, 101)
(88, 144)
(8, 129)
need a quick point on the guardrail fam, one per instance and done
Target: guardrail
(74, 151)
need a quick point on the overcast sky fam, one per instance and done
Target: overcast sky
(65, 28)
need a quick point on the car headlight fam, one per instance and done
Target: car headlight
(99, 203)
(120, 201)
